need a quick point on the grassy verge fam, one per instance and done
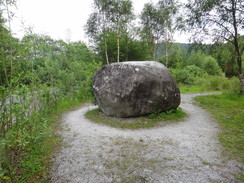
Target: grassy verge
(27, 146)
(212, 84)
(191, 89)
(44, 151)
(229, 112)
(152, 120)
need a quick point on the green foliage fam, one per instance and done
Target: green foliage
(208, 64)
(8, 50)
(213, 83)
(197, 59)
(158, 24)
(152, 120)
(183, 76)
(130, 49)
(40, 78)
(195, 69)
(176, 55)
(211, 66)
(188, 75)
(110, 19)
(231, 86)
(229, 112)
(226, 57)
(27, 137)
(191, 89)
(227, 26)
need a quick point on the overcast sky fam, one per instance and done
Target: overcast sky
(60, 18)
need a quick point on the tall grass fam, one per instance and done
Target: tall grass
(26, 135)
(228, 109)
(213, 83)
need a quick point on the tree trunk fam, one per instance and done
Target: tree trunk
(166, 54)
(118, 48)
(118, 39)
(241, 78)
(155, 49)
(166, 47)
(127, 47)
(106, 50)
(237, 48)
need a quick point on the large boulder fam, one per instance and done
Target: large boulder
(129, 89)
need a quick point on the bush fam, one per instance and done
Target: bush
(211, 83)
(196, 71)
(211, 66)
(231, 86)
(196, 59)
(208, 64)
(214, 83)
(187, 75)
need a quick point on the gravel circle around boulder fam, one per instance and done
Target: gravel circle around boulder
(187, 151)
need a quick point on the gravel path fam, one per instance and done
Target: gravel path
(186, 152)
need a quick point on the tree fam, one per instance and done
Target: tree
(176, 56)
(150, 30)
(167, 9)
(130, 48)
(219, 20)
(109, 15)
(98, 23)
(158, 24)
(8, 51)
(224, 53)
(122, 14)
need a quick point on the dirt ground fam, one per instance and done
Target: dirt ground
(187, 151)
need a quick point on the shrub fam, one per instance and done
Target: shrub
(211, 66)
(196, 59)
(196, 71)
(208, 64)
(211, 83)
(187, 75)
(184, 76)
(231, 86)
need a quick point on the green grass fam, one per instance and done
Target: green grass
(194, 89)
(191, 89)
(211, 84)
(229, 112)
(152, 120)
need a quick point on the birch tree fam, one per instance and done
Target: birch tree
(219, 21)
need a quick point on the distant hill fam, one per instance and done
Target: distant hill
(182, 46)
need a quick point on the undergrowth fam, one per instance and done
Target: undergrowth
(212, 84)
(28, 138)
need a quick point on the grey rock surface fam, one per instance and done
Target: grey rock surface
(129, 89)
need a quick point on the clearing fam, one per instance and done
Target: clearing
(186, 151)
